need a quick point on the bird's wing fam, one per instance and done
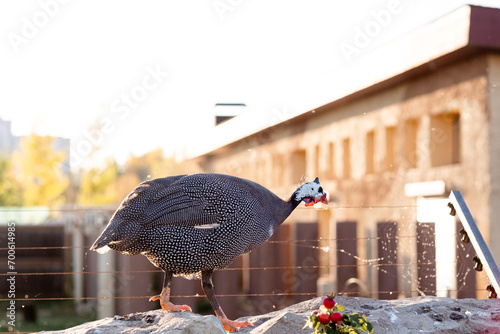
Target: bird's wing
(174, 206)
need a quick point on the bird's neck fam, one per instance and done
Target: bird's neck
(293, 202)
(286, 208)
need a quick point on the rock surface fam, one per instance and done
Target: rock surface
(412, 315)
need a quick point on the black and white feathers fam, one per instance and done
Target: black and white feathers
(190, 223)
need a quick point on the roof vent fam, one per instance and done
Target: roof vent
(226, 111)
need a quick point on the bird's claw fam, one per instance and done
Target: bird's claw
(233, 326)
(169, 307)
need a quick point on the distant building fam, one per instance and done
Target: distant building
(63, 144)
(10, 143)
(391, 134)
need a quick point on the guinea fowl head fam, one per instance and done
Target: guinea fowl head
(311, 193)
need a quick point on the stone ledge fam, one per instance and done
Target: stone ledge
(411, 315)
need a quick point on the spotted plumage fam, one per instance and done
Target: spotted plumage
(191, 225)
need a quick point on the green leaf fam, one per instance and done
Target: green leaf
(339, 308)
(332, 330)
(354, 317)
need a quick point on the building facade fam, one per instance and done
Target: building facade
(414, 120)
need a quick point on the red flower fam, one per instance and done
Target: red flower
(324, 318)
(328, 302)
(336, 317)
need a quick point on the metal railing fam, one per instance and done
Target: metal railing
(470, 233)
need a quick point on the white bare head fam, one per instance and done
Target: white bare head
(311, 193)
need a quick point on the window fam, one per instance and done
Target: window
(331, 161)
(390, 161)
(317, 164)
(346, 157)
(445, 139)
(298, 165)
(426, 258)
(347, 253)
(370, 152)
(387, 249)
(410, 148)
(278, 169)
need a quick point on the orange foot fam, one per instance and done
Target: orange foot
(233, 326)
(168, 306)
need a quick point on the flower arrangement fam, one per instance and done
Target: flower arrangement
(330, 320)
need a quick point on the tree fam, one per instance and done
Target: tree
(98, 185)
(10, 190)
(124, 184)
(111, 184)
(39, 168)
(154, 165)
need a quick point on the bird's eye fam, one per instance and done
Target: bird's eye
(320, 189)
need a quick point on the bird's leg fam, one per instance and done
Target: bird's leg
(208, 287)
(164, 296)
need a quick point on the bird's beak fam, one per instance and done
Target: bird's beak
(321, 199)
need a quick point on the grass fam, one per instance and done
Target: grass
(49, 316)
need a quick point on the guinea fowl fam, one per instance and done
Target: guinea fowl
(191, 225)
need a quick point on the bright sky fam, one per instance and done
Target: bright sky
(150, 72)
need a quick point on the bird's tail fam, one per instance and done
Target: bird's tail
(101, 245)
(117, 236)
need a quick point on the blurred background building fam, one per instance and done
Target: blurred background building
(422, 118)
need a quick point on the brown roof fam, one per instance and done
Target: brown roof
(467, 31)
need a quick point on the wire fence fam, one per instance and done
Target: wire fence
(298, 275)
(363, 263)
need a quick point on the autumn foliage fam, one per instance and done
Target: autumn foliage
(38, 174)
